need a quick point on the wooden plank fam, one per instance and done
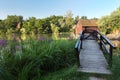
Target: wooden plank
(92, 59)
(96, 78)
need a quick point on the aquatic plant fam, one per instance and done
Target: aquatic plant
(37, 58)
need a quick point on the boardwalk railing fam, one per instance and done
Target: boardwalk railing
(105, 45)
(78, 46)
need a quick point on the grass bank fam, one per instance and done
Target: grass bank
(116, 65)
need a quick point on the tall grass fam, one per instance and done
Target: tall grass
(115, 65)
(66, 74)
(32, 59)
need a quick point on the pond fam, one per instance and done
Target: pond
(16, 43)
(11, 39)
(23, 37)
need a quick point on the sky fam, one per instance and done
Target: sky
(46, 8)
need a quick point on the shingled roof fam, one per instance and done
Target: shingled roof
(88, 22)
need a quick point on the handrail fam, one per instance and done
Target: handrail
(106, 39)
(78, 46)
(103, 45)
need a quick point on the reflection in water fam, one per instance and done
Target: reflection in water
(23, 37)
(8, 37)
(41, 38)
(16, 38)
(33, 36)
(19, 37)
(55, 36)
(67, 35)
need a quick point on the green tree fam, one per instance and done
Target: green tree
(38, 26)
(66, 22)
(110, 23)
(12, 21)
(76, 19)
(103, 24)
(2, 27)
(94, 18)
(84, 17)
(31, 24)
(15, 23)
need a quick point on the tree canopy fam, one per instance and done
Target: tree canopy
(83, 17)
(52, 24)
(110, 23)
(55, 24)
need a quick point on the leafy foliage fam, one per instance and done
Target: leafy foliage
(83, 17)
(110, 23)
(15, 23)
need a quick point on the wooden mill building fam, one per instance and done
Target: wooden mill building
(88, 25)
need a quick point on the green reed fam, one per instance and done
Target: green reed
(32, 59)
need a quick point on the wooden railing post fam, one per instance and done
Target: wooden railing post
(81, 39)
(100, 42)
(109, 50)
(78, 47)
(77, 55)
(96, 34)
(110, 56)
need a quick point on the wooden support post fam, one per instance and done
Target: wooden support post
(82, 35)
(101, 42)
(110, 56)
(77, 55)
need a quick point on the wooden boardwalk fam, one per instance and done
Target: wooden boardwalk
(92, 59)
